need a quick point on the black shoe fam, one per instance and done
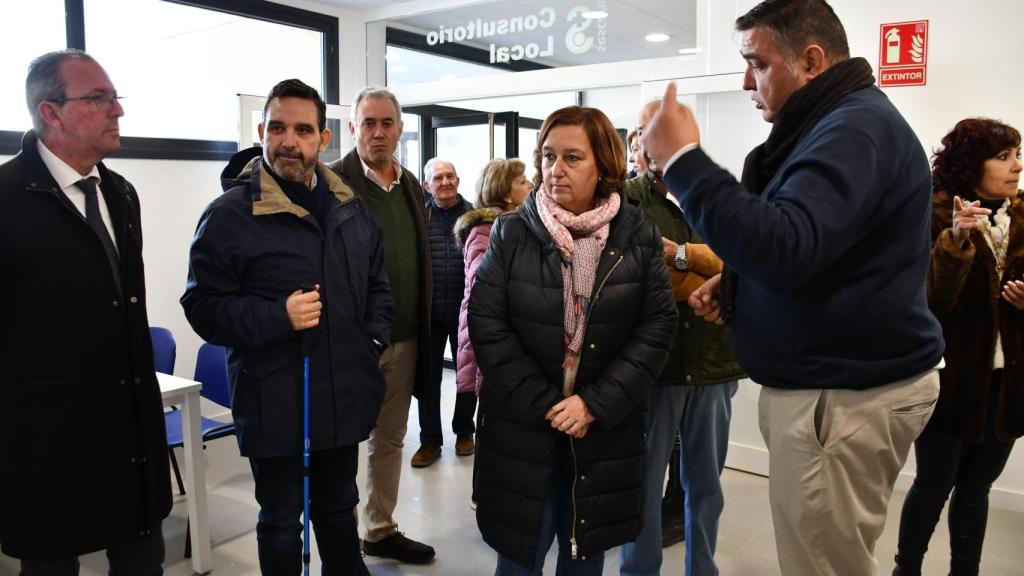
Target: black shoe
(400, 548)
(673, 531)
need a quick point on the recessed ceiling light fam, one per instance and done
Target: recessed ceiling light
(399, 69)
(689, 50)
(657, 37)
(595, 14)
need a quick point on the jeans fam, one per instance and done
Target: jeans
(139, 556)
(556, 521)
(702, 415)
(333, 496)
(444, 330)
(946, 462)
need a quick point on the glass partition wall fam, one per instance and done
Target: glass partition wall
(492, 39)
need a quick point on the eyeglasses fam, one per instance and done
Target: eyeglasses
(98, 101)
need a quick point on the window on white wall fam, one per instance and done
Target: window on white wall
(406, 67)
(30, 30)
(180, 64)
(187, 65)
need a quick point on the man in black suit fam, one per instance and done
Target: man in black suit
(82, 441)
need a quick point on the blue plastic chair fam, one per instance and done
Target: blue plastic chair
(165, 352)
(164, 349)
(212, 372)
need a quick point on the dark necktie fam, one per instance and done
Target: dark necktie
(95, 221)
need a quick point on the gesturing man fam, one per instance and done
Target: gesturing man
(826, 244)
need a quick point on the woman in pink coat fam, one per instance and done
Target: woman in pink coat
(502, 186)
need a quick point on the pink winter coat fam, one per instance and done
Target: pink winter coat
(473, 233)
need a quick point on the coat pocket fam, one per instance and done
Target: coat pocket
(266, 407)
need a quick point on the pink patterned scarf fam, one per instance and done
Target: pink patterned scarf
(580, 239)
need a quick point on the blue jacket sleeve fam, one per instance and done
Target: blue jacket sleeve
(823, 205)
(213, 302)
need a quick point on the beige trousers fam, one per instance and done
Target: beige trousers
(833, 459)
(384, 448)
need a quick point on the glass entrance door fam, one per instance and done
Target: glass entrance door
(469, 139)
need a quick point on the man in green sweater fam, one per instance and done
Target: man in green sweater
(396, 200)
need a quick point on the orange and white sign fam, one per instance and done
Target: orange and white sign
(903, 54)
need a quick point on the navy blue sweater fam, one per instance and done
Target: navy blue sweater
(831, 257)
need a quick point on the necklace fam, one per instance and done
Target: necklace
(997, 237)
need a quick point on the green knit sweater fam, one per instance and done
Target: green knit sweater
(395, 218)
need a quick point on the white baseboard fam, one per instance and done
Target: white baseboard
(754, 460)
(751, 459)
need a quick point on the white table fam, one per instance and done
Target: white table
(175, 390)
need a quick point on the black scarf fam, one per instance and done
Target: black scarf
(801, 113)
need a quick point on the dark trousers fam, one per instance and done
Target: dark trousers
(944, 463)
(333, 496)
(139, 556)
(444, 329)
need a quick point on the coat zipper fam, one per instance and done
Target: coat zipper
(572, 444)
(575, 477)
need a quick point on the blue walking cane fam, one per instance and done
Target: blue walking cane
(307, 342)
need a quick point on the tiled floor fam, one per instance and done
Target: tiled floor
(435, 508)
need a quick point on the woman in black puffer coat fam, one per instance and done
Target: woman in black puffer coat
(561, 437)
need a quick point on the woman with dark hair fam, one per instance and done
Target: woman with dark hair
(571, 317)
(502, 186)
(975, 289)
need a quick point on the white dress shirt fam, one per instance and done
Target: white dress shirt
(67, 178)
(376, 179)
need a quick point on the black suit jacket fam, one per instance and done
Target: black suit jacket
(82, 443)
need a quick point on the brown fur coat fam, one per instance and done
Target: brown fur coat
(964, 294)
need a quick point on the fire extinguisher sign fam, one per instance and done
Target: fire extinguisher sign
(903, 54)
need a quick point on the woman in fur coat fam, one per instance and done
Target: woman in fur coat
(502, 186)
(976, 290)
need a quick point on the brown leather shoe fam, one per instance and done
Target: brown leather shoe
(464, 446)
(426, 456)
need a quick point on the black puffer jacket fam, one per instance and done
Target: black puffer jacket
(446, 263)
(516, 326)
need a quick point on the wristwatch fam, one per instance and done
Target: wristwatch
(681, 263)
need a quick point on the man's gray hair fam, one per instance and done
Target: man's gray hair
(374, 93)
(45, 82)
(428, 168)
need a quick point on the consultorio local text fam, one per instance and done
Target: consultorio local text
(577, 41)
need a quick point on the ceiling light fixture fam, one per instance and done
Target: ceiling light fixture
(689, 50)
(595, 14)
(657, 37)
